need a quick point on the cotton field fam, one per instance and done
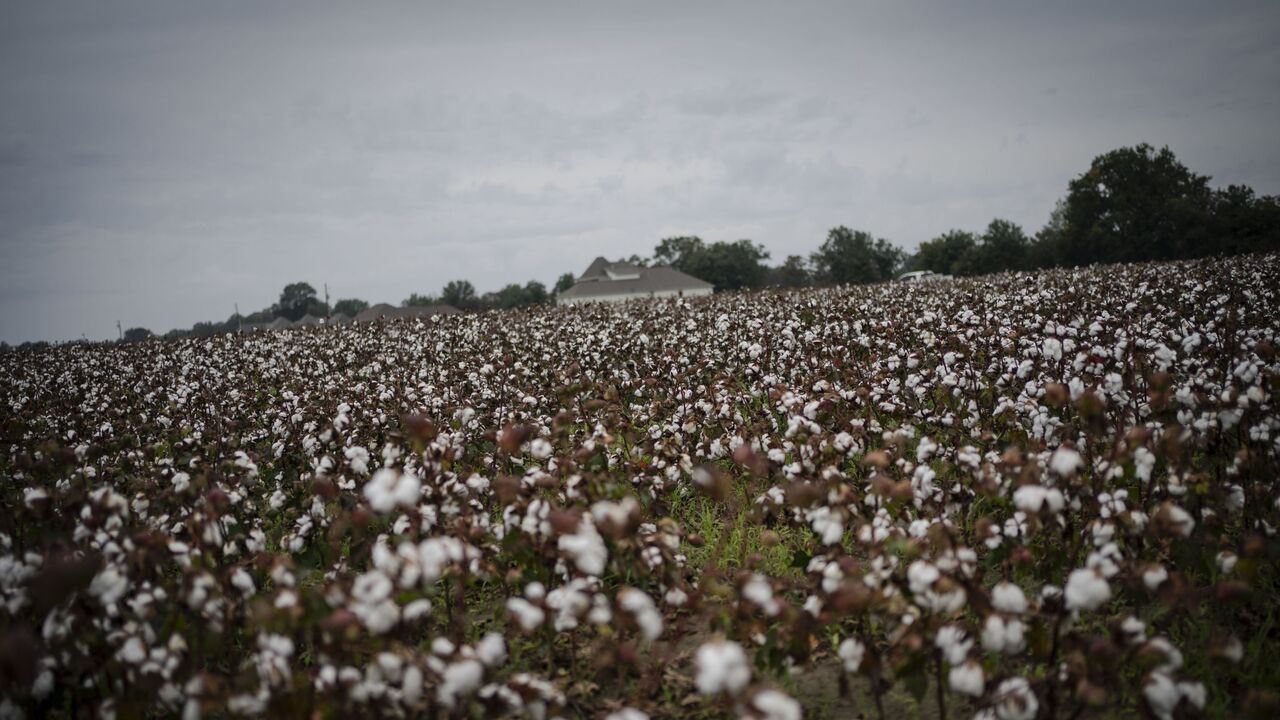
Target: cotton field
(1023, 496)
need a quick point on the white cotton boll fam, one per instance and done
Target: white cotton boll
(1172, 655)
(586, 548)
(380, 490)
(411, 688)
(1015, 700)
(540, 448)
(641, 607)
(109, 586)
(407, 490)
(1031, 499)
(416, 609)
(492, 650)
(1231, 650)
(1086, 590)
(1052, 349)
(675, 597)
(1162, 695)
(1009, 598)
(133, 652)
(528, 616)
(967, 679)
(1153, 577)
(775, 705)
(458, 680)
(1003, 635)
(952, 642)
(760, 593)
(1193, 692)
(851, 652)
(627, 713)
(243, 582)
(722, 667)
(535, 591)
(827, 524)
(1066, 461)
(1180, 521)
(921, 576)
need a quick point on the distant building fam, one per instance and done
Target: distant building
(383, 311)
(279, 323)
(308, 320)
(606, 281)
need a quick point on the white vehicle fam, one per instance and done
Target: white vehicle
(921, 276)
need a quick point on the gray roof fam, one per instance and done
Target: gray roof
(307, 319)
(598, 280)
(383, 311)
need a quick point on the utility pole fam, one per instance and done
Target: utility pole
(239, 320)
(326, 302)
(119, 331)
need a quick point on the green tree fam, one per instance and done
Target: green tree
(951, 253)
(1136, 204)
(416, 300)
(793, 272)
(1004, 247)
(1046, 249)
(296, 300)
(565, 282)
(726, 265)
(535, 293)
(460, 294)
(349, 306)
(1243, 222)
(137, 334)
(849, 256)
(678, 252)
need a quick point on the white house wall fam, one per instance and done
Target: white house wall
(622, 297)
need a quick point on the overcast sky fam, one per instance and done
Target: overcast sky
(162, 161)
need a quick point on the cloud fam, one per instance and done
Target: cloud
(160, 162)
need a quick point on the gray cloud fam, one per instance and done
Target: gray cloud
(160, 162)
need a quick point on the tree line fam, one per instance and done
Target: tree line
(1132, 204)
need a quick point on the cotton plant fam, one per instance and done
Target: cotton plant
(1017, 492)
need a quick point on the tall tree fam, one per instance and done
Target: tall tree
(1244, 222)
(564, 282)
(535, 293)
(1135, 204)
(460, 294)
(349, 306)
(1004, 247)
(678, 251)
(416, 300)
(951, 253)
(297, 299)
(726, 265)
(1046, 249)
(793, 272)
(849, 256)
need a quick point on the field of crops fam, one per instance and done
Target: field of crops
(1014, 497)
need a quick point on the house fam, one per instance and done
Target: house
(383, 311)
(606, 281)
(308, 320)
(274, 324)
